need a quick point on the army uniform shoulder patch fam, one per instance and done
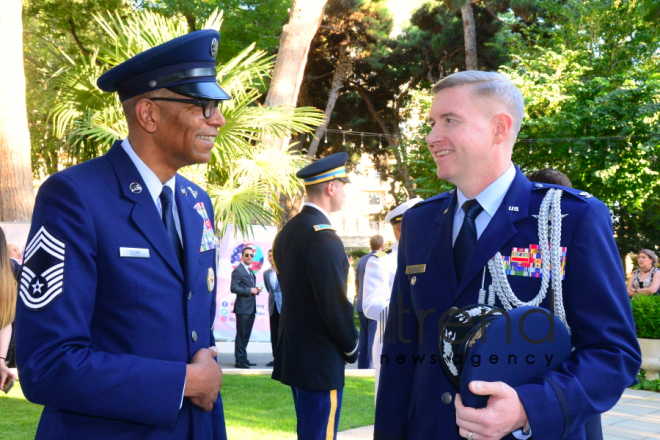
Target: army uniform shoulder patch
(383, 253)
(42, 276)
(318, 228)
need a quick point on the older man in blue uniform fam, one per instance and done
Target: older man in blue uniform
(493, 216)
(317, 334)
(117, 292)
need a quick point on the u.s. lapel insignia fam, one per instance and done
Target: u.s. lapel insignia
(194, 193)
(527, 262)
(135, 188)
(513, 208)
(183, 191)
(210, 279)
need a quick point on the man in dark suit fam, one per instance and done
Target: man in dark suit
(243, 284)
(317, 335)
(367, 326)
(483, 236)
(117, 294)
(274, 304)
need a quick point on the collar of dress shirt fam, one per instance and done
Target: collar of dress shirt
(327, 216)
(490, 198)
(246, 267)
(152, 181)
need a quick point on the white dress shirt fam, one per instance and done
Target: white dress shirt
(490, 199)
(154, 185)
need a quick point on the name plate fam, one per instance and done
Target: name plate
(417, 268)
(133, 252)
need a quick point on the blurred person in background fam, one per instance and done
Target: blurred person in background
(367, 326)
(7, 310)
(643, 281)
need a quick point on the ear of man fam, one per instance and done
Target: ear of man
(502, 124)
(141, 112)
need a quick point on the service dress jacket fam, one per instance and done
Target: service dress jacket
(107, 317)
(416, 401)
(317, 332)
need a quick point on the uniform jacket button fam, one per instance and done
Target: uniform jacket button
(413, 280)
(189, 296)
(446, 398)
(194, 336)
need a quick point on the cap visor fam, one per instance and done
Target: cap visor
(208, 90)
(344, 179)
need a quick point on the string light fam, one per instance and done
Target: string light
(362, 141)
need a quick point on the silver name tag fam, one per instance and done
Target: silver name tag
(133, 252)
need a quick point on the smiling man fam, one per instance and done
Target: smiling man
(453, 243)
(114, 325)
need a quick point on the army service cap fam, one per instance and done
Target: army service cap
(484, 343)
(396, 215)
(324, 170)
(184, 65)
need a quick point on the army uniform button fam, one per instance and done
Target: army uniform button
(189, 296)
(446, 398)
(539, 185)
(413, 281)
(194, 336)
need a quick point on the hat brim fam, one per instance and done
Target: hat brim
(344, 179)
(206, 90)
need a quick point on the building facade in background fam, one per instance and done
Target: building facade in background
(366, 197)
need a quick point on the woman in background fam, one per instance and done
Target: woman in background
(643, 280)
(7, 310)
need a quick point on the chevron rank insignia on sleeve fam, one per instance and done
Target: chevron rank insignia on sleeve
(318, 228)
(383, 253)
(42, 276)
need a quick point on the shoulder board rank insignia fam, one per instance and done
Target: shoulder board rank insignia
(585, 194)
(383, 253)
(318, 228)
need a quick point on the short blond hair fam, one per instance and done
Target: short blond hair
(491, 85)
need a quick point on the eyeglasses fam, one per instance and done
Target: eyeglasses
(208, 105)
(249, 255)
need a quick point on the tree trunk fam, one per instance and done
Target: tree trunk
(304, 19)
(470, 34)
(342, 71)
(16, 190)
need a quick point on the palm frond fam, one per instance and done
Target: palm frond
(240, 206)
(275, 168)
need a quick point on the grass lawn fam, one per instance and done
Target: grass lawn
(256, 407)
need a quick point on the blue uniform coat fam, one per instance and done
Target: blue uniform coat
(558, 404)
(107, 357)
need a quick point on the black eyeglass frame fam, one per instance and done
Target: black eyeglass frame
(203, 103)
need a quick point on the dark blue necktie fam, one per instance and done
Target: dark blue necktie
(166, 198)
(466, 240)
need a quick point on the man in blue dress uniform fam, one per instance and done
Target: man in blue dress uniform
(446, 244)
(117, 292)
(317, 334)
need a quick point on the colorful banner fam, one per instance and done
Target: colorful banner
(229, 255)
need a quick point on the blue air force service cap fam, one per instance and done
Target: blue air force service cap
(324, 170)
(184, 65)
(481, 342)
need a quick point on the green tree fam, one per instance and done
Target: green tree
(244, 177)
(245, 21)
